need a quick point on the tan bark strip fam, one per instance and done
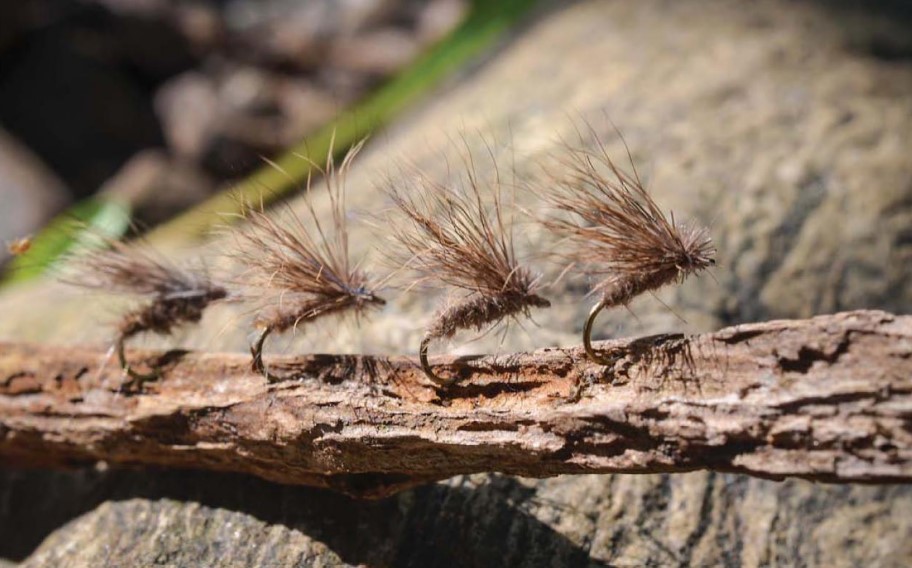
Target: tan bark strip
(828, 399)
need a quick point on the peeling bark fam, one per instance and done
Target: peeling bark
(827, 399)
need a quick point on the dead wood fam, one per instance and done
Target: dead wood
(827, 399)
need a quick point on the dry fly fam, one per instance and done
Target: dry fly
(620, 234)
(454, 238)
(174, 295)
(306, 270)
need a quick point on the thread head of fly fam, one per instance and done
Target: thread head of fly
(216, 293)
(522, 285)
(363, 297)
(536, 301)
(695, 253)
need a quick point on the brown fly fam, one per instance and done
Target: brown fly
(173, 295)
(620, 234)
(453, 237)
(304, 266)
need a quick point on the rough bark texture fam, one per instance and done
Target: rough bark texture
(827, 399)
(784, 126)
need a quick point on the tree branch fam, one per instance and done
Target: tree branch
(827, 399)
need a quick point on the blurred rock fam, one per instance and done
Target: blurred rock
(201, 24)
(353, 16)
(30, 194)
(304, 34)
(306, 106)
(158, 187)
(312, 19)
(229, 122)
(345, 85)
(380, 52)
(271, 111)
(187, 107)
(438, 18)
(249, 122)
